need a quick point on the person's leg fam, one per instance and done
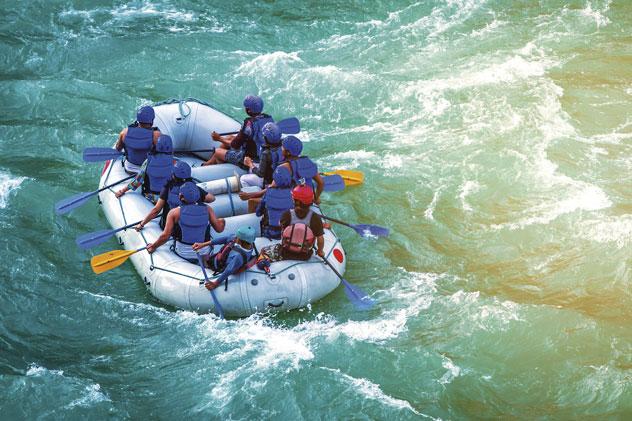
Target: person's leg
(253, 203)
(219, 157)
(251, 180)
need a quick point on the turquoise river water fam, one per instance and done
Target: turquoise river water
(496, 140)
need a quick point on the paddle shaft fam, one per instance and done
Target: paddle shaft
(215, 301)
(114, 184)
(337, 221)
(333, 268)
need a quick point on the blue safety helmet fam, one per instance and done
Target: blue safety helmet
(190, 192)
(293, 145)
(282, 177)
(164, 144)
(246, 234)
(271, 133)
(145, 114)
(182, 170)
(254, 103)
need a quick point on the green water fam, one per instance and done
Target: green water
(495, 138)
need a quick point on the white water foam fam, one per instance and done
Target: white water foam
(452, 372)
(468, 188)
(370, 390)
(92, 394)
(8, 185)
(268, 64)
(617, 230)
(597, 15)
(429, 212)
(35, 370)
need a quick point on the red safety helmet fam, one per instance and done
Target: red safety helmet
(303, 194)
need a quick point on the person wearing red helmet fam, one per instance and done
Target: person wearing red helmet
(303, 196)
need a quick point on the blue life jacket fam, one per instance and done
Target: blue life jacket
(303, 168)
(255, 134)
(276, 158)
(193, 226)
(173, 199)
(158, 172)
(137, 143)
(221, 258)
(277, 202)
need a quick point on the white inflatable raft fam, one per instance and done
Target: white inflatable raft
(175, 281)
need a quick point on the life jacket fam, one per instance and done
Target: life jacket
(221, 258)
(193, 226)
(303, 170)
(277, 202)
(253, 130)
(137, 143)
(297, 240)
(158, 172)
(276, 158)
(173, 199)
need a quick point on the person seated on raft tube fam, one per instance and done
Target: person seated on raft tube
(276, 201)
(137, 139)
(271, 156)
(155, 171)
(303, 196)
(248, 141)
(232, 258)
(301, 168)
(189, 223)
(170, 195)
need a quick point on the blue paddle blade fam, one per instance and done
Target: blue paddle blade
(92, 239)
(357, 296)
(66, 205)
(100, 154)
(333, 183)
(289, 125)
(366, 230)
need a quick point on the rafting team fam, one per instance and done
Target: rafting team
(275, 165)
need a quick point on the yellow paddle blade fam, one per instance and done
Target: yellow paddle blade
(106, 261)
(351, 178)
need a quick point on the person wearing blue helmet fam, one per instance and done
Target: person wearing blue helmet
(170, 195)
(302, 169)
(232, 258)
(248, 141)
(155, 171)
(137, 139)
(189, 223)
(276, 201)
(271, 156)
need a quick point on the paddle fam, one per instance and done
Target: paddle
(73, 202)
(111, 259)
(92, 239)
(333, 183)
(351, 177)
(357, 296)
(215, 301)
(364, 230)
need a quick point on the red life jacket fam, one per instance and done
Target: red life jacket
(297, 242)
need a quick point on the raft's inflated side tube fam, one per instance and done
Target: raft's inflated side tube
(177, 282)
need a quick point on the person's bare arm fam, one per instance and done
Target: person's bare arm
(218, 224)
(320, 186)
(320, 244)
(160, 204)
(119, 142)
(172, 217)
